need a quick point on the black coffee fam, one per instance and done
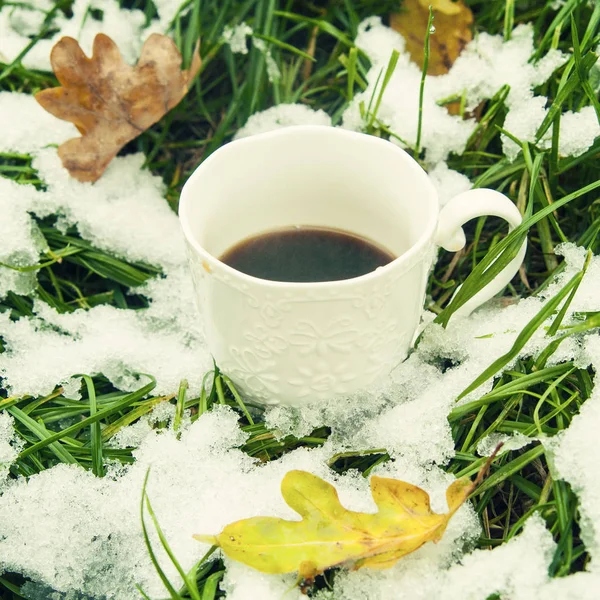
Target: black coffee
(306, 254)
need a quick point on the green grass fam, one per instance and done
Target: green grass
(531, 398)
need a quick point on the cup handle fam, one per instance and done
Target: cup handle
(450, 235)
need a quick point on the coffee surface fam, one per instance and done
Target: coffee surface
(305, 254)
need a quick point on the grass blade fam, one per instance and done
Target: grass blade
(546, 311)
(127, 401)
(386, 79)
(284, 46)
(168, 585)
(46, 437)
(501, 254)
(95, 432)
(422, 85)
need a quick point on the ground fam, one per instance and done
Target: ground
(103, 364)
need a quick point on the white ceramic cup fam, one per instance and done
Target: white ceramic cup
(284, 342)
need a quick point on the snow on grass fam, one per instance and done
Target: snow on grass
(517, 570)
(409, 415)
(25, 242)
(236, 37)
(282, 115)
(482, 69)
(123, 345)
(441, 134)
(447, 182)
(576, 457)
(34, 128)
(203, 469)
(124, 213)
(578, 130)
(18, 23)
(10, 446)
(100, 532)
(128, 28)
(201, 481)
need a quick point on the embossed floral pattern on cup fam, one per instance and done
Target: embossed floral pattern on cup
(323, 380)
(256, 372)
(336, 337)
(265, 343)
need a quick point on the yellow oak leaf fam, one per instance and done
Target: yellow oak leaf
(330, 535)
(452, 21)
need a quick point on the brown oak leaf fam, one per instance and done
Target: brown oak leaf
(109, 101)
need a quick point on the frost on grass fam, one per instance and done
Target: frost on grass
(19, 22)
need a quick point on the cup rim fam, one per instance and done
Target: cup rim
(407, 259)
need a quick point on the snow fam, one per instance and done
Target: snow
(25, 240)
(447, 182)
(108, 212)
(399, 108)
(482, 69)
(104, 339)
(117, 343)
(236, 37)
(168, 10)
(517, 570)
(10, 446)
(126, 27)
(514, 441)
(200, 469)
(38, 129)
(242, 583)
(282, 115)
(577, 132)
(273, 72)
(575, 455)
(106, 554)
